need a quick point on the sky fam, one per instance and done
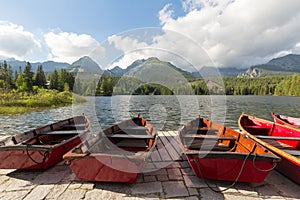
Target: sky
(222, 33)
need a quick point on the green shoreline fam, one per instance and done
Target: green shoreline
(12, 110)
(17, 103)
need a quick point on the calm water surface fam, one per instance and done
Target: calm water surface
(164, 112)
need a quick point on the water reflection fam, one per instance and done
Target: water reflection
(164, 112)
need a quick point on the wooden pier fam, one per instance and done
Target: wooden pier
(167, 176)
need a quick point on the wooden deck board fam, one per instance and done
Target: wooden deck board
(162, 151)
(167, 149)
(172, 136)
(168, 144)
(155, 157)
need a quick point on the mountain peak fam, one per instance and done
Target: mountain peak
(85, 64)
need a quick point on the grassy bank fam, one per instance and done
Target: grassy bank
(15, 102)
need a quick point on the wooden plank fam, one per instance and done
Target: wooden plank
(132, 144)
(160, 133)
(278, 144)
(210, 137)
(140, 128)
(62, 132)
(173, 133)
(170, 147)
(277, 137)
(162, 150)
(74, 126)
(293, 152)
(121, 136)
(155, 157)
(174, 140)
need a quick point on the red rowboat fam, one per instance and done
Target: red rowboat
(282, 140)
(116, 155)
(43, 147)
(218, 152)
(286, 120)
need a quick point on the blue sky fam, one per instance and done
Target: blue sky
(224, 33)
(99, 18)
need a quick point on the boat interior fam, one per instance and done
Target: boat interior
(50, 134)
(130, 136)
(202, 134)
(278, 136)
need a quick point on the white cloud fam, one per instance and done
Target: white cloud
(231, 33)
(15, 41)
(238, 33)
(168, 46)
(165, 14)
(68, 47)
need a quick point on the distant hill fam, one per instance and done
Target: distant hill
(212, 72)
(85, 64)
(285, 65)
(48, 66)
(149, 65)
(153, 70)
(116, 71)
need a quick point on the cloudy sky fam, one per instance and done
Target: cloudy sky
(224, 33)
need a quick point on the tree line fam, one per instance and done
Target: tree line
(105, 85)
(272, 85)
(28, 81)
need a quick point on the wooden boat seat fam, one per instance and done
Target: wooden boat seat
(132, 144)
(293, 152)
(213, 147)
(79, 126)
(202, 130)
(210, 137)
(125, 136)
(62, 132)
(277, 137)
(133, 130)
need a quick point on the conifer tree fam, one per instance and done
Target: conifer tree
(54, 80)
(28, 78)
(40, 78)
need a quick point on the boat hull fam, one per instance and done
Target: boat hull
(118, 154)
(256, 127)
(286, 120)
(106, 169)
(43, 147)
(289, 169)
(33, 159)
(221, 153)
(229, 169)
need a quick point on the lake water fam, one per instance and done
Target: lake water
(164, 112)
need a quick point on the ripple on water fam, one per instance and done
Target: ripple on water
(164, 112)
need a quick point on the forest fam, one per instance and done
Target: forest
(28, 83)
(273, 85)
(24, 91)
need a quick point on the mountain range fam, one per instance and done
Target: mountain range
(285, 65)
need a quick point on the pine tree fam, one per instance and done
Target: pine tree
(62, 79)
(28, 78)
(40, 78)
(19, 79)
(54, 80)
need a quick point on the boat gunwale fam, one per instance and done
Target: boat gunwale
(275, 150)
(201, 153)
(101, 136)
(43, 147)
(283, 122)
